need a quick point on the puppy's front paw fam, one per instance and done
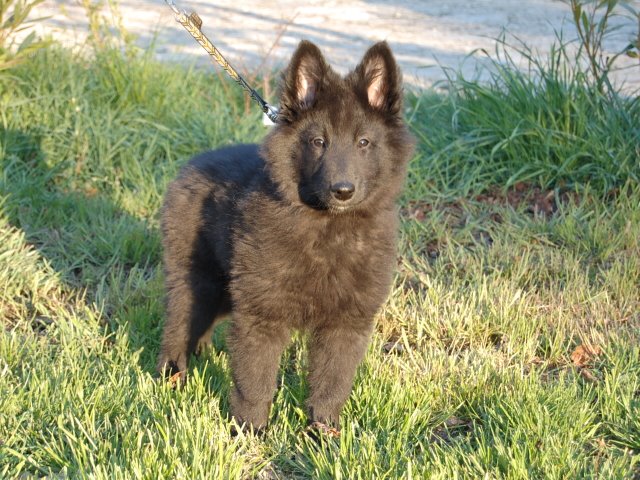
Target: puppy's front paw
(318, 430)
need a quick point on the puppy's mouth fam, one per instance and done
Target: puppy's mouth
(333, 208)
(338, 209)
(324, 202)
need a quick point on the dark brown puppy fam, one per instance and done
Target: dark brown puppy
(299, 233)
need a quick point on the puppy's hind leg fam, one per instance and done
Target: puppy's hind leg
(194, 302)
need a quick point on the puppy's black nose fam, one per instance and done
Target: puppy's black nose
(343, 191)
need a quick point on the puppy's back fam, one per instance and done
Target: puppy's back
(201, 205)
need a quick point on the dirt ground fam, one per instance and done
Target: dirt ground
(425, 34)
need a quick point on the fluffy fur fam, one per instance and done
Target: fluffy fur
(298, 233)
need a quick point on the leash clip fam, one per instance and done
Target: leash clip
(270, 116)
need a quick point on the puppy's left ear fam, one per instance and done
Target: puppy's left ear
(379, 80)
(302, 81)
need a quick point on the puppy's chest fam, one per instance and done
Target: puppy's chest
(333, 276)
(320, 261)
(319, 274)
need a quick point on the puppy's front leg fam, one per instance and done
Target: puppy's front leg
(335, 352)
(255, 349)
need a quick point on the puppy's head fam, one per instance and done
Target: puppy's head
(340, 143)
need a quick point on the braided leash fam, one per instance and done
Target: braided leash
(193, 24)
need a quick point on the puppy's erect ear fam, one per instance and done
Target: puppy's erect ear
(303, 79)
(379, 80)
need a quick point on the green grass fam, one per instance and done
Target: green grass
(489, 303)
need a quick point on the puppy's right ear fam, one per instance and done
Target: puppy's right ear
(302, 80)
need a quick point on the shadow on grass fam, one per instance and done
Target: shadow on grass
(97, 247)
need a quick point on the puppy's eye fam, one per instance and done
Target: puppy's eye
(363, 142)
(318, 142)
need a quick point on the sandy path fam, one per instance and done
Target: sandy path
(423, 33)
